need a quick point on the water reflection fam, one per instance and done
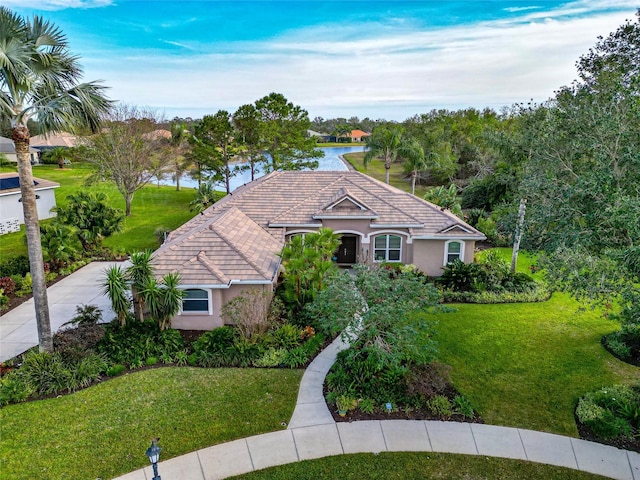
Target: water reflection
(330, 161)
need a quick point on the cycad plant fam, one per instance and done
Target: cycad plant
(115, 286)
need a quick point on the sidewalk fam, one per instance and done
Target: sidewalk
(18, 331)
(312, 433)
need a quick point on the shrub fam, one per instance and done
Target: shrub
(88, 370)
(24, 286)
(75, 342)
(215, 340)
(115, 370)
(611, 412)
(4, 300)
(296, 358)
(346, 403)
(151, 361)
(14, 389)
(286, 336)
(7, 285)
(427, 380)
(617, 346)
(131, 343)
(273, 357)
(540, 294)
(18, 265)
(440, 406)
(366, 405)
(249, 312)
(462, 277)
(45, 373)
(463, 406)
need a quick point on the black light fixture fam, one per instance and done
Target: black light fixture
(153, 452)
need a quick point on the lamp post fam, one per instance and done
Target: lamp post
(153, 452)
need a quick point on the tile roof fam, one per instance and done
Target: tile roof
(61, 139)
(239, 237)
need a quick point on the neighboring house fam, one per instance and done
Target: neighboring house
(54, 140)
(234, 244)
(11, 215)
(320, 137)
(157, 135)
(359, 136)
(9, 150)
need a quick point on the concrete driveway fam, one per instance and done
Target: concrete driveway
(18, 331)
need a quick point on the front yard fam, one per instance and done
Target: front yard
(103, 431)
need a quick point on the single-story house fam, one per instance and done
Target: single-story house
(320, 137)
(11, 214)
(234, 244)
(55, 140)
(9, 150)
(359, 136)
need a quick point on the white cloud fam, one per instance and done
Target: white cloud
(360, 71)
(57, 4)
(519, 9)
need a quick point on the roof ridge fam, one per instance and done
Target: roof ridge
(204, 260)
(222, 234)
(306, 199)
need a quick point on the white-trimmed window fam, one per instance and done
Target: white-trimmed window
(195, 300)
(453, 249)
(387, 248)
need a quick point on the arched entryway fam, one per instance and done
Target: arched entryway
(347, 252)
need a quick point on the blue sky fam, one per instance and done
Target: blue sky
(334, 58)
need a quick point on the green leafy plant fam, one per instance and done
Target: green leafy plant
(440, 406)
(611, 412)
(346, 403)
(462, 406)
(115, 370)
(366, 405)
(14, 389)
(273, 357)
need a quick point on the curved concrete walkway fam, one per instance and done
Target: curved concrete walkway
(312, 433)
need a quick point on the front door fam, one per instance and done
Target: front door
(346, 253)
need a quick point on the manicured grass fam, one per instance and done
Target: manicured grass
(152, 207)
(103, 432)
(375, 169)
(525, 365)
(418, 466)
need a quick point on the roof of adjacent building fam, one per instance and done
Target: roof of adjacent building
(10, 183)
(238, 239)
(7, 146)
(359, 133)
(59, 139)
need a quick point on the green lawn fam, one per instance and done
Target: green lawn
(151, 208)
(525, 365)
(415, 466)
(375, 169)
(103, 432)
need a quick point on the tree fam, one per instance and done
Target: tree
(57, 154)
(445, 198)
(127, 152)
(205, 197)
(59, 241)
(91, 217)
(213, 146)
(248, 135)
(179, 142)
(342, 132)
(138, 274)
(115, 288)
(39, 80)
(384, 144)
(581, 182)
(284, 134)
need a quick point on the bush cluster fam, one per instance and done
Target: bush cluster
(625, 343)
(611, 412)
(285, 346)
(488, 281)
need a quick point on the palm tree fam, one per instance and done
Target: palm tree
(416, 157)
(205, 197)
(39, 81)
(384, 143)
(179, 143)
(115, 287)
(58, 154)
(138, 274)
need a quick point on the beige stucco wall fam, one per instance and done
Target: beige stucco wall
(428, 255)
(219, 297)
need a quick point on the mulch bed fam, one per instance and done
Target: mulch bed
(413, 414)
(632, 444)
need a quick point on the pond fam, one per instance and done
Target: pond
(330, 161)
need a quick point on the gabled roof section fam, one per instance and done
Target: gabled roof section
(226, 247)
(345, 205)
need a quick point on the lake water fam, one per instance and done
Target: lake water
(330, 161)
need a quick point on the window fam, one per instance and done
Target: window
(195, 300)
(453, 250)
(387, 248)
